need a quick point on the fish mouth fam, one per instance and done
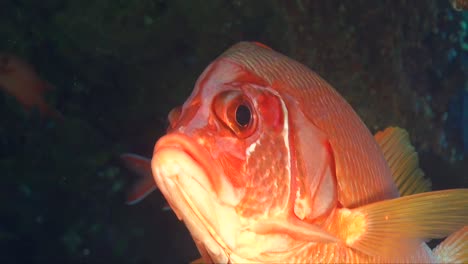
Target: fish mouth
(178, 145)
(186, 175)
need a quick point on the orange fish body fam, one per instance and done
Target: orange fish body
(266, 162)
(20, 80)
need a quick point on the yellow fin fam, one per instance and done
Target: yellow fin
(402, 160)
(398, 225)
(454, 249)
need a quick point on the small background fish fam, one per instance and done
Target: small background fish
(119, 68)
(20, 80)
(459, 5)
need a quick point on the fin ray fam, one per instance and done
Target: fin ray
(402, 223)
(454, 249)
(402, 160)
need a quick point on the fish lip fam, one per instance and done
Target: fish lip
(198, 154)
(186, 206)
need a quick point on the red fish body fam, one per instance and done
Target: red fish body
(266, 162)
(20, 80)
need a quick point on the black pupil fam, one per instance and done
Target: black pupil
(243, 115)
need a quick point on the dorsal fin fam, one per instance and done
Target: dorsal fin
(402, 160)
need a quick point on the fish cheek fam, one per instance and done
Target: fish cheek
(267, 186)
(228, 154)
(267, 163)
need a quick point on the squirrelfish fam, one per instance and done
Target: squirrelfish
(459, 5)
(265, 162)
(19, 79)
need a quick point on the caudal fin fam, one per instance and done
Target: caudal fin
(145, 185)
(454, 249)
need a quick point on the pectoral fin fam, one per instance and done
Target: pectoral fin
(398, 225)
(454, 249)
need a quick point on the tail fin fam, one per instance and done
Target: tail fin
(454, 249)
(145, 184)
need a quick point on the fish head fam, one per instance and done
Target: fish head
(225, 165)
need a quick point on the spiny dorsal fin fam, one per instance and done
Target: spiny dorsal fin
(402, 160)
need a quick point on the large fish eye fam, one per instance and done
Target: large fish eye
(236, 112)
